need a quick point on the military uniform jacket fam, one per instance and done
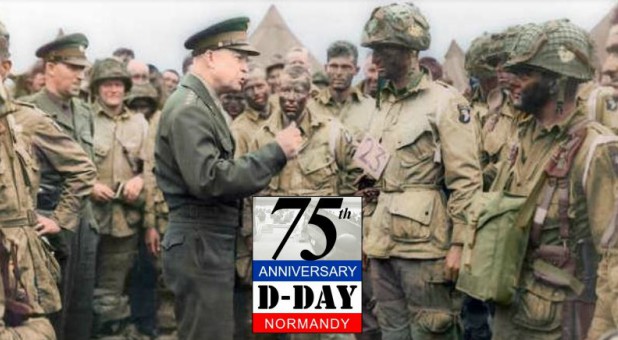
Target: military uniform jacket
(327, 149)
(119, 143)
(55, 152)
(428, 131)
(354, 113)
(155, 209)
(245, 126)
(498, 127)
(39, 270)
(194, 153)
(79, 124)
(592, 181)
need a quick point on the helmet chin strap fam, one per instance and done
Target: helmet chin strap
(561, 84)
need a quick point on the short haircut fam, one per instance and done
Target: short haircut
(298, 72)
(172, 71)
(123, 51)
(342, 48)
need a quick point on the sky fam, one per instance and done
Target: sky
(156, 29)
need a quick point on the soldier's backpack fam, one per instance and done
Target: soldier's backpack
(496, 244)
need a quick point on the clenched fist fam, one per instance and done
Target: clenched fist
(289, 139)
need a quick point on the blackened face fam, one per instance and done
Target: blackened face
(293, 96)
(391, 61)
(530, 91)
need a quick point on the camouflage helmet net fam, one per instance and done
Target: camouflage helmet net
(490, 51)
(397, 24)
(475, 59)
(4, 41)
(109, 68)
(557, 46)
(143, 91)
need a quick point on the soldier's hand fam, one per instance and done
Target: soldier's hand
(46, 226)
(132, 189)
(453, 261)
(102, 193)
(289, 139)
(153, 241)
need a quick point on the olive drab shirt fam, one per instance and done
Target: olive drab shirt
(428, 131)
(194, 153)
(119, 142)
(327, 148)
(592, 182)
(355, 113)
(245, 126)
(155, 208)
(39, 270)
(55, 152)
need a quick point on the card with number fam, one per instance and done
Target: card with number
(371, 156)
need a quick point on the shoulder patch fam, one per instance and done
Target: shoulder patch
(464, 113)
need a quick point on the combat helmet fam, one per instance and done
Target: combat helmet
(109, 68)
(146, 92)
(557, 46)
(476, 57)
(397, 24)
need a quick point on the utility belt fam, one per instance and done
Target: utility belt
(29, 220)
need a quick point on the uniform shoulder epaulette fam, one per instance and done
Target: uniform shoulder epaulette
(21, 102)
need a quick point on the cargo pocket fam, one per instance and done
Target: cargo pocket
(435, 322)
(411, 214)
(538, 310)
(100, 153)
(411, 148)
(316, 166)
(171, 240)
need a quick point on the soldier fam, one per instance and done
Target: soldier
(119, 141)
(491, 102)
(143, 99)
(259, 108)
(65, 61)
(233, 104)
(43, 147)
(203, 184)
(369, 84)
(340, 99)
(414, 243)
(328, 147)
(273, 72)
(170, 80)
(139, 71)
(559, 161)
